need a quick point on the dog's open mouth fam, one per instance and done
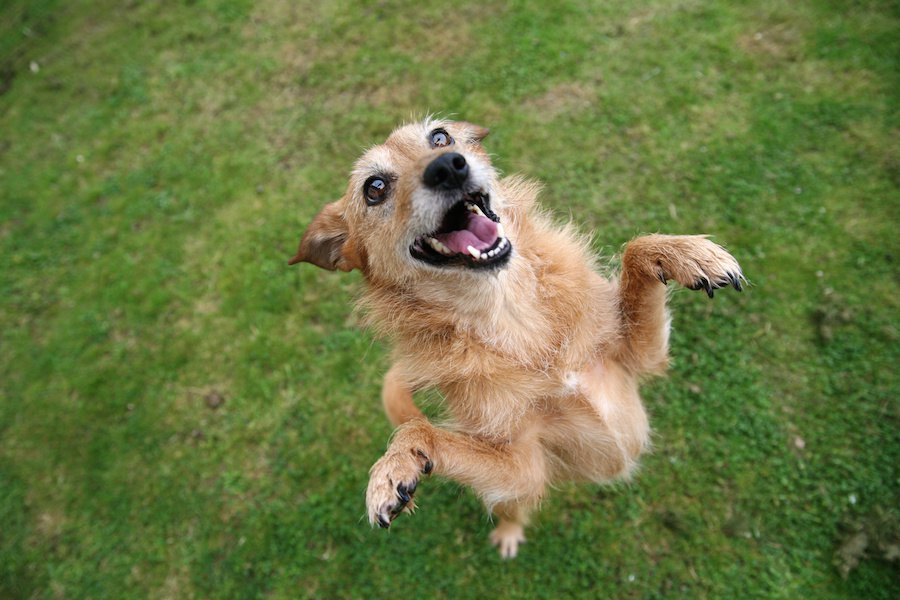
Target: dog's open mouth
(471, 236)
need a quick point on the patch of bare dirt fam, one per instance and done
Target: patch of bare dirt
(564, 98)
(777, 42)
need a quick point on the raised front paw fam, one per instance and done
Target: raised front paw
(697, 264)
(392, 484)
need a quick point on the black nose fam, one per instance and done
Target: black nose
(447, 171)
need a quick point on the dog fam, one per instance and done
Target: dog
(537, 355)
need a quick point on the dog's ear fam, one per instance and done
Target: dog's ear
(477, 132)
(325, 242)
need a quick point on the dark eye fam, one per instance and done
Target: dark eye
(375, 190)
(440, 138)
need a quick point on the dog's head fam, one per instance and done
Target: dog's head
(426, 200)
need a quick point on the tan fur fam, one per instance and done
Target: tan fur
(539, 361)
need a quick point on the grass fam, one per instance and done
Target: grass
(181, 415)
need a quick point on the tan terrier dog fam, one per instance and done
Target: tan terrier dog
(537, 355)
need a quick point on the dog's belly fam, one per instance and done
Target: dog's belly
(592, 422)
(598, 430)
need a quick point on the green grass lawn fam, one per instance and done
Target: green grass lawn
(184, 416)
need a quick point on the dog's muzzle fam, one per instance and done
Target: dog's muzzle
(447, 172)
(470, 234)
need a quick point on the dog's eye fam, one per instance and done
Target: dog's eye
(375, 190)
(440, 138)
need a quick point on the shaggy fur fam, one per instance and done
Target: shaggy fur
(539, 357)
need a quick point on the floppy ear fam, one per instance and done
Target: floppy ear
(477, 132)
(325, 242)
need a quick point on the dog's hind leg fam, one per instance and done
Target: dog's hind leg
(647, 264)
(397, 396)
(510, 530)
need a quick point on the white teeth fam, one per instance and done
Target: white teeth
(473, 208)
(437, 245)
(474, 252)
(500, 233)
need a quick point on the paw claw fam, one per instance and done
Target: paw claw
(428, 466)
(697, 263)
(703, 284)
(406, 490)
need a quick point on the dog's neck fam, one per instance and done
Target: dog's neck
(492, 306)
(497, 307)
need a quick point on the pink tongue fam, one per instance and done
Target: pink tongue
(480, 233)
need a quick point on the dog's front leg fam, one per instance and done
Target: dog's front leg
(647, 264)
(397, 396)
(510, 477)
